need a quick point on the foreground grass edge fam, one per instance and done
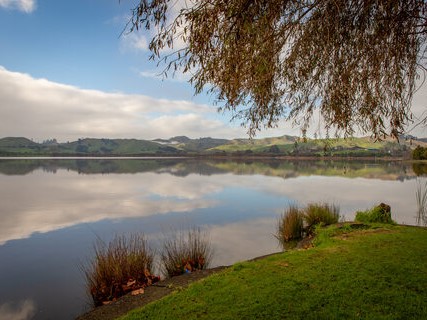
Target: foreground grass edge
(378, 272)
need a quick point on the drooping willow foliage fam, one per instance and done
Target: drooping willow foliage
(355, 62)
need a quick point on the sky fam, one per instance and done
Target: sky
(68, 72)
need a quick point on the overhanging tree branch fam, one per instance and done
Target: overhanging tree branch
(266, 60)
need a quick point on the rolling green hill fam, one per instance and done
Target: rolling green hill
(82, 147)
(293, 146)
(19, 142)
(18, 146)
(181, 145)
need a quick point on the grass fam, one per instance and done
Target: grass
(185, 252)
(380, 213)
(378, 273)
(124, 265)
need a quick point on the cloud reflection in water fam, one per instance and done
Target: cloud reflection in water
(24, 310)
(42, 201)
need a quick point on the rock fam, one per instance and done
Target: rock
(385, 208)
(137, 292)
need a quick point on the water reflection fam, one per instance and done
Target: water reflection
(24, 310)
(393, 170)
(41, 202)
(53, 210)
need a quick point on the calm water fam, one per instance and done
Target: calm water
(52, 211)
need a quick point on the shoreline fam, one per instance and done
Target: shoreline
(270, 276)
(151, 293)
(165, 287)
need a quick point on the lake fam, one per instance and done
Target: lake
(52, 211)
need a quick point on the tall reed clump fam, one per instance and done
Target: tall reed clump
(320, 213)
(290, 227)
(421, 197)
(185, 252)
(122, 266)
(296, 223)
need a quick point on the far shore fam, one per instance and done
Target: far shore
(208, 157)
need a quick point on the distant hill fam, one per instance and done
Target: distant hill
(116, 147)
(182, 145)
(17, 142)
(82, 147)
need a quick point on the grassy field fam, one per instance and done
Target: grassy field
(377, 273)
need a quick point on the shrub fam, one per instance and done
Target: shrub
(324, 214)
(290, 226)
(419, 153)
(380, 214)
(124, 265)
(186, 252)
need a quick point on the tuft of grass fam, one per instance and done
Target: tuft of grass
(186, 252)
(320, 214)
(295, 223)
(421, 197)
(290, 227)
(124, 265)
(378, 214)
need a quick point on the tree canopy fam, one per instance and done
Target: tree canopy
(354, 62)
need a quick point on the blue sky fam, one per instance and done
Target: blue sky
(66, 73)
(79, 43)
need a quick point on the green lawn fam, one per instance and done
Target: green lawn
(379, 273)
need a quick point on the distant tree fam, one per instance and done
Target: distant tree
(81, 148)
(419, 153)
(265, 60)
(274, 149)
(50, 142)
(296, 148)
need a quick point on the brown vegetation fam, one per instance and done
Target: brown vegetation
(185, 252)
(123, 266)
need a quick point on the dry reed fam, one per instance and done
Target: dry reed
(122, 266)
(185, 252)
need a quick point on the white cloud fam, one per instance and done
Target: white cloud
(134, 41)
(40, 109)
(419, 109)
(27, 6)
(140, 39)
(191, 122)
(178, 76)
